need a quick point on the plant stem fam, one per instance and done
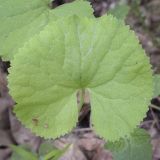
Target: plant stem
(155, 107)
(82, 96)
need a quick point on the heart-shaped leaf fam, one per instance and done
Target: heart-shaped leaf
(100, 55)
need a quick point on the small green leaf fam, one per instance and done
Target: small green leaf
(136, 147)
(20, 153)
(74, 53)
(55, 154)
(156, 85)
(22, 19)
(45, 148)
(120, 11)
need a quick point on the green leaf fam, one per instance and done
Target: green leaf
(78, 7)
(55, 154)
(22, 19)
(45, 148)
(120, 11)
(156, 85)
(136, 147)
(100, 55)
(20, 153)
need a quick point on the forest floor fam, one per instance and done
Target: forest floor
(144, 19)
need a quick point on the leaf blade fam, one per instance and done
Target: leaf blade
(132, 148)
(75, 53)
(21, 20)
(19, 152)
(156, 85)
(120, 11)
